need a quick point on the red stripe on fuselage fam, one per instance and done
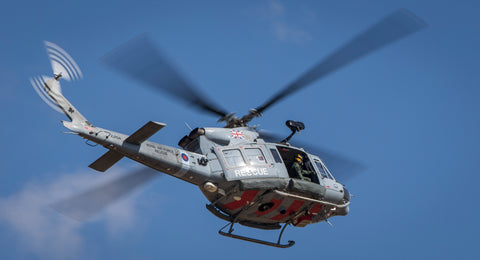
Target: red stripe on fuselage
(247, 197)
(315, 209)
(296, 205)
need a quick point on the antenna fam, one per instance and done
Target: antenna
(188, 126)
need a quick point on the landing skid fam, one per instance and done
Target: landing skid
(258, 241)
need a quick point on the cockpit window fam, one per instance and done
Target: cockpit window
(234, 158)
(298, 164)
(323, 172)
(320, 169)
(255, 156)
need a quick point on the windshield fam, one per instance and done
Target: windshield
(323, 170)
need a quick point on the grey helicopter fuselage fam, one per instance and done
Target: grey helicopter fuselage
(247, 180)
(237, 171)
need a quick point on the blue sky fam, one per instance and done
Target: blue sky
(409, 112)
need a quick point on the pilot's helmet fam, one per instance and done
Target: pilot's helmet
(299, 158)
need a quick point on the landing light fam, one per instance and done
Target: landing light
(210, 187)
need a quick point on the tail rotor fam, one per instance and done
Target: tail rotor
(62, 63)
(63, 67)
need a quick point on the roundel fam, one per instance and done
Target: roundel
(185, 157)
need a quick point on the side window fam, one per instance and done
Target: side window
(275, 155)
(234, 158)
(255, 156)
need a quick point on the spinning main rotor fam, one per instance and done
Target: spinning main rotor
(140, 60)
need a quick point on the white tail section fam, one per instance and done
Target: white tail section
(38, 84)
(63, 66)
(49, 89)
(54, 91)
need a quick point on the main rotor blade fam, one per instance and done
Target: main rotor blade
(342, 167)
(391, 28)
(83, 205)
(139, 59)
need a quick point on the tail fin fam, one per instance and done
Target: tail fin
(49, 89)
(54, 91)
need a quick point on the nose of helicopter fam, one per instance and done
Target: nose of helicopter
(346, 194)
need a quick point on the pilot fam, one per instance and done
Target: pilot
(298, 167)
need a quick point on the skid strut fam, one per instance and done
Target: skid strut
(254, 240)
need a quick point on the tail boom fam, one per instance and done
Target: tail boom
(172, 161)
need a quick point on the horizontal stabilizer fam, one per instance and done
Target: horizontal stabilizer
(145, 132)
(106, 161)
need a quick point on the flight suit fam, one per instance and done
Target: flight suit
(304, 174)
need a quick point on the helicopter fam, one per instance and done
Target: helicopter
(249, 176)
